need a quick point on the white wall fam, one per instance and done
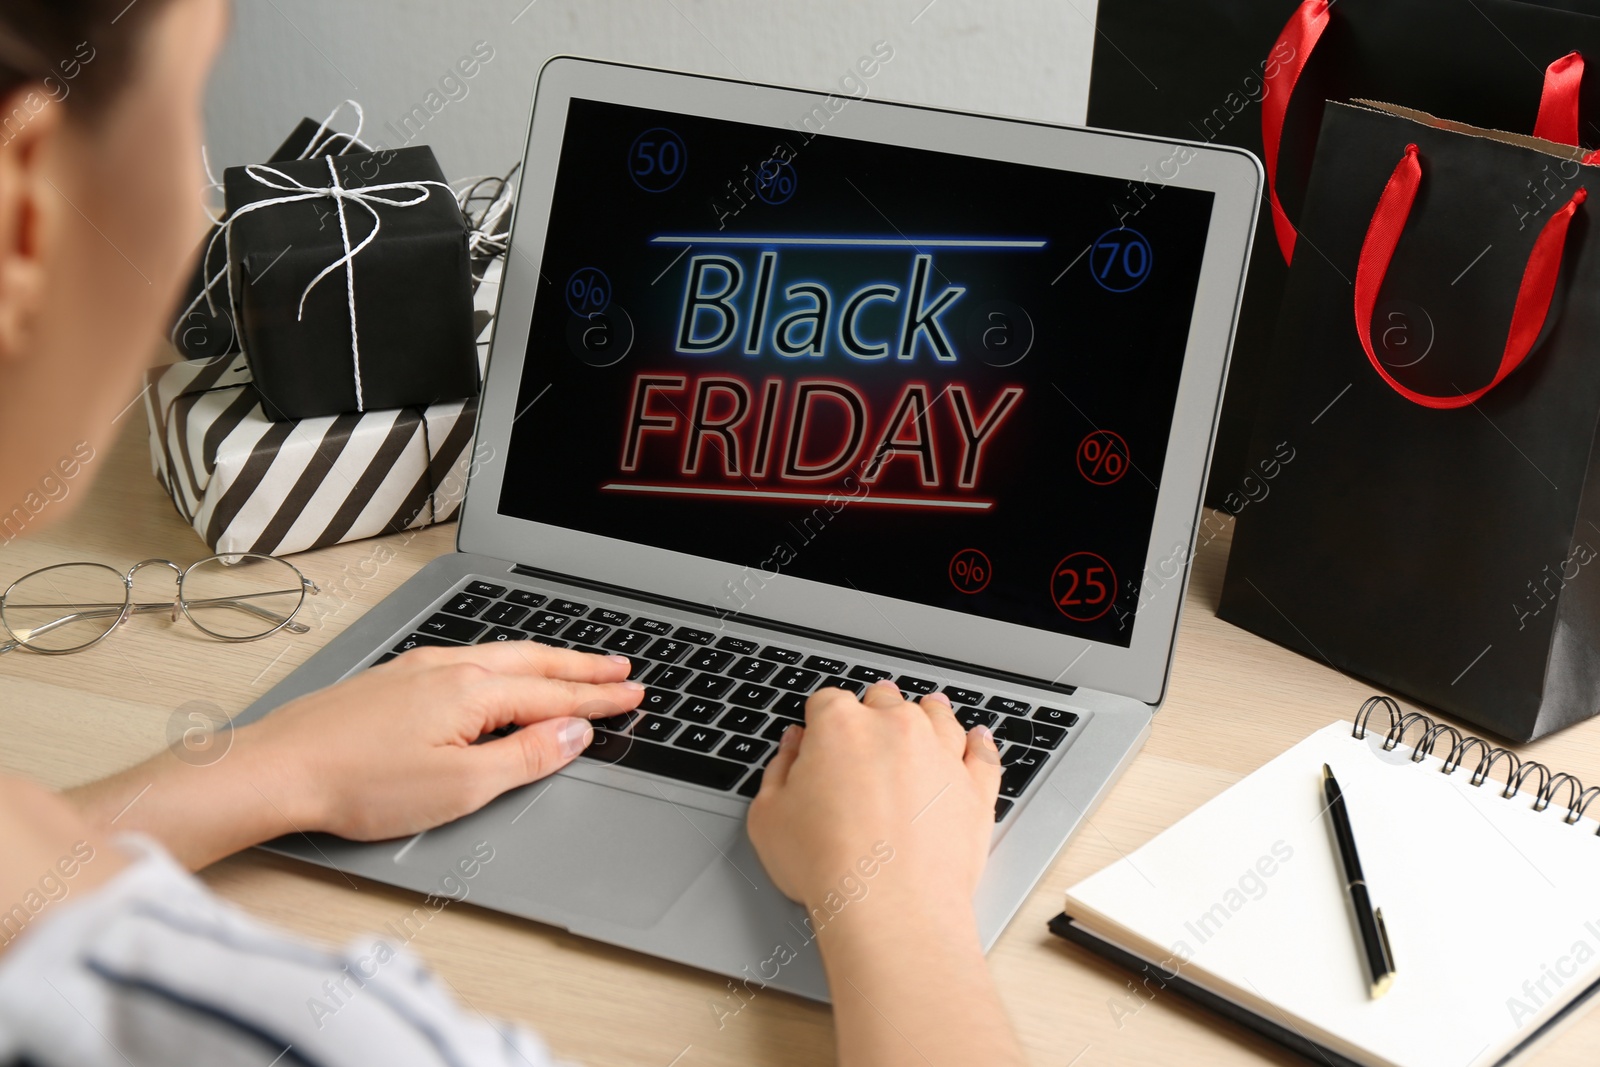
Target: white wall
(294, 58)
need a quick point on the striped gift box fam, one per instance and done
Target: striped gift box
(249, 484)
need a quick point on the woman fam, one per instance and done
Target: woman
(129, 959)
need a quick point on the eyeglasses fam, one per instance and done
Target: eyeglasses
(73, 606)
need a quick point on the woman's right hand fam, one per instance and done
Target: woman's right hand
(877, 816)
(878, 783)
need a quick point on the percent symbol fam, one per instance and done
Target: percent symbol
(970, 571)
(588, 292)
(1103, 457)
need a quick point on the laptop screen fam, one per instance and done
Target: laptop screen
(933, 377)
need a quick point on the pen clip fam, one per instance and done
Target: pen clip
(1381, 986)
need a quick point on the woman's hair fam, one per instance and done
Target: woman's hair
(77, 49)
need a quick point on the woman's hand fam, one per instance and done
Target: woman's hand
(388, 753)
(874, 776)
(877, 816)
(393, 751)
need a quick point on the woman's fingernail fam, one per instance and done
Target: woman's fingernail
(623, 660)
(985, 735)
(937, 698)
(884, 683)
(790, 737)
(573, 737)
(637, 687)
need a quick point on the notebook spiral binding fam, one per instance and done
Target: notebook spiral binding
(1518, 771)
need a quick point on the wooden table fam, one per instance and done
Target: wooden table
(1235, 702)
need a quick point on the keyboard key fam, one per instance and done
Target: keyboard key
(970, 717)
(669, 677)
(775, 729)
(385, 658)
(958, 695)
(849, 685)
(1001, 807)
(609, 617)
(626, 641)
(701, 739)
(659, 701)
(545, 640)
(743, 721)
(752, 670)
(710, 685)
(656, 727)
(419, 641)
(615, 723)
(709, 659)
(753, 696)
(451, 628)
(568, 607)
(1007, 705)
(791, 705)
(590, 649)
(503, 614)
(700, 710)
(466, 605)
(500, 633)
(1056, 717)
(699, 637)
(919, 686)
(667, 651)
(584, 632)
(1029, 732)
(1021, 764)
(526, 599)
(488, 589)
(797, 679)
(668, 762)
(651, 626)
(544, 622)
(869, 674)
(825, 665)
(739, 645)
(744, 749)
(781, 655)
(752, 784)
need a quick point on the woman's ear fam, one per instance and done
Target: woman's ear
(30, 124)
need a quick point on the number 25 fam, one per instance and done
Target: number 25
(1070, 597)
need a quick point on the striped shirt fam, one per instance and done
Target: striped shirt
(152, 969)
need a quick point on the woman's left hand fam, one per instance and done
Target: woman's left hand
(388, 753)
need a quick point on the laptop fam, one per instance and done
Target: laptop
(790, 390)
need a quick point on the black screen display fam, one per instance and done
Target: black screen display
(934, 377)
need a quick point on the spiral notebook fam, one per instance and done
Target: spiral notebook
(1492, 902)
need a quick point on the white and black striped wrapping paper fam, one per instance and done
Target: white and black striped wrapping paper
(249, 484)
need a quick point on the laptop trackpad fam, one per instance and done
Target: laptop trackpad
(576, 847)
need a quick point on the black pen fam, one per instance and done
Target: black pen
(1374, 935)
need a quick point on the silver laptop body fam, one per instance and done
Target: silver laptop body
(715, 291)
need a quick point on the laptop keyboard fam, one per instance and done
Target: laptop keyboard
(715, 704)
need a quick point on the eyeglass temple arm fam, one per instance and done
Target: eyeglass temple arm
(100, 611)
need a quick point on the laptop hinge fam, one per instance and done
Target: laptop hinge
(798, 631)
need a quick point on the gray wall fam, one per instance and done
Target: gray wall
(292, 58)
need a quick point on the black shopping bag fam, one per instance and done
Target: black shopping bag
(1202, 69)
(1436, 390)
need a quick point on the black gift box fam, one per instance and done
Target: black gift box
(197, 333)
(391, 327)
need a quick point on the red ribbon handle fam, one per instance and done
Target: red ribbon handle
(1533, 296)
(1300, 37)
(1558, 104)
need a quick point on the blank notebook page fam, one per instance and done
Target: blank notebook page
(1493, 909)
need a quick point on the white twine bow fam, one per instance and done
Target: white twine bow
(321, 139)
(362, 196)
